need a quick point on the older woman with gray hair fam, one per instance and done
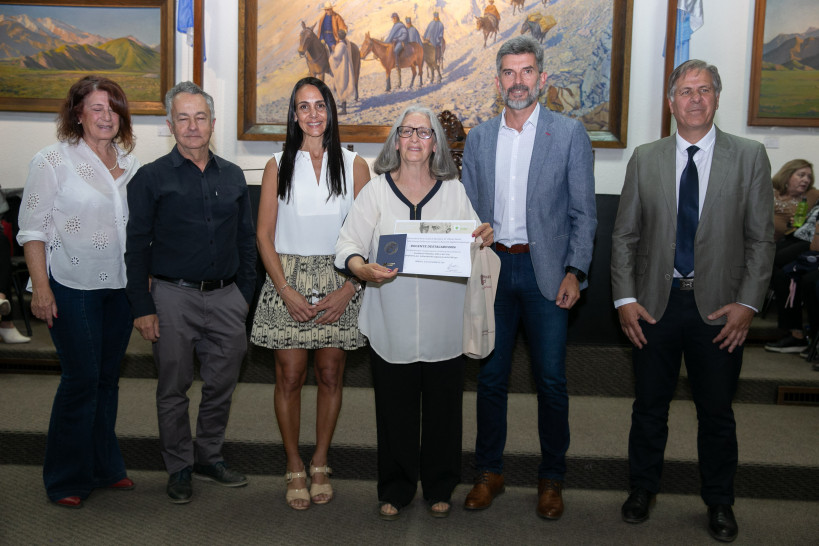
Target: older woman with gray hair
(414, 322)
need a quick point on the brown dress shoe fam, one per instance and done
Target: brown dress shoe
(549, 499)
(488, 486)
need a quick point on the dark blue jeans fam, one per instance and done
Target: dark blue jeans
(545, 325)
(91, 335)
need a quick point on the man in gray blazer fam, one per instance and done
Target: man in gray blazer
(530, 173)
(692, 253)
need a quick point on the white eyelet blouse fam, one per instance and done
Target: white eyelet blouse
(74, 205)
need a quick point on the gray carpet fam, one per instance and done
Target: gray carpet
(257, 514)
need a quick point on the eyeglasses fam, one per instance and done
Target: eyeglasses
(405, 131)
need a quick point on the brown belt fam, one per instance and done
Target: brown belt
(514, 249)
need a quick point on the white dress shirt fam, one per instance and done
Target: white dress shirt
(702, 159)
(512, 158)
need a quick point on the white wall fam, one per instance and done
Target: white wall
(724, 40)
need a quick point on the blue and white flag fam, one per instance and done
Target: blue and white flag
(184, 23)
(689, 19)
(184, 16)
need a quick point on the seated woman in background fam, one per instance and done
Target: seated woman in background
(8, 332)
(791, 183)
(414, 323)
(307, 190)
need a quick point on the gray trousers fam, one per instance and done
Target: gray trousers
(211, 325)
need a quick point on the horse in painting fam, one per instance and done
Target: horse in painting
(489, 25)
(318, 56)
(412, 56)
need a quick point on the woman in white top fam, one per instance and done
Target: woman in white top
(72, 228)
(414, 323)
(305, 304)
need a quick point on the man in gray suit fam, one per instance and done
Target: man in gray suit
(692, 252)
(529, 172)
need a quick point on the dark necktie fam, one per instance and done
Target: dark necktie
(688, 206)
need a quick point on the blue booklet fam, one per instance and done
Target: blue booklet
(391, 250)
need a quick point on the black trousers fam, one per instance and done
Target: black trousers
(810, 298)
(713, 374)
(419, 401)
(787, 250)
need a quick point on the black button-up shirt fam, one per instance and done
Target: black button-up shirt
(188, 224)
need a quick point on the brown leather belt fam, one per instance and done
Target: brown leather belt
(514, 249)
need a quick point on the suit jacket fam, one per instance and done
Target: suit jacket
(561, 214)
(733, 248)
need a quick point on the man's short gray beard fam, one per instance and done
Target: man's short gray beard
(522, 104)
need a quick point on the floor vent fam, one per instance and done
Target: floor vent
(798, 396)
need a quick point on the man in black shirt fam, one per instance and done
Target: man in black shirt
(191, 258)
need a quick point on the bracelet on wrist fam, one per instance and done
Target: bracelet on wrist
(282, 287)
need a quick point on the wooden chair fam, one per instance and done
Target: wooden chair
(455, 136)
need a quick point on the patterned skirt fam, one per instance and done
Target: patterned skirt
(314, 277)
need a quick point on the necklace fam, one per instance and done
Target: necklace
(116, 164)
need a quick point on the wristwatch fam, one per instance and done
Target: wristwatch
(356, 283)
(581, 277)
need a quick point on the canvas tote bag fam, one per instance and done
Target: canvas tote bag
(479, 306)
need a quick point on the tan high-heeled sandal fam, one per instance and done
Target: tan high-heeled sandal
(317, 489)
(296, 494)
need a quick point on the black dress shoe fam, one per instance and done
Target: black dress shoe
(179, 486)
(220, 474)
(721, 522)
(635, 509)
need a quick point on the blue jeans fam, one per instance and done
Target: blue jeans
(545, 325)
(91, 335)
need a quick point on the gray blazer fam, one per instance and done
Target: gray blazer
(561, 215)
(734, 247)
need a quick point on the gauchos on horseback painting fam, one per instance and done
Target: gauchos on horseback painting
(379, 56)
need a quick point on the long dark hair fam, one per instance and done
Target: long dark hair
(336, 179)
(68, 126)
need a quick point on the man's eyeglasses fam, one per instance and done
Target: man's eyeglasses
(405, 131)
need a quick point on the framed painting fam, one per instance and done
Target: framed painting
(586, 45)
(49, 45)
(785, 64)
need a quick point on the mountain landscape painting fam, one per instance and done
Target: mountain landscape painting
(785, 74)
(45, 49)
